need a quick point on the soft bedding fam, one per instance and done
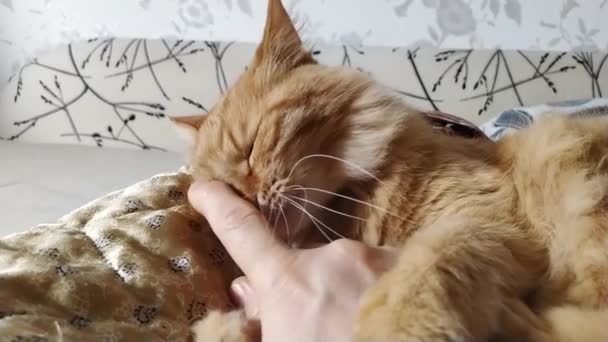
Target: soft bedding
(515, 119)
(134, 265)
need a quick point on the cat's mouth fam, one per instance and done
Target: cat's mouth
(286, 219)
(297, 213)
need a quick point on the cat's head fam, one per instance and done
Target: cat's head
(290, 124)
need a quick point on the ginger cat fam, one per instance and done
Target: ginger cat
(504, 240)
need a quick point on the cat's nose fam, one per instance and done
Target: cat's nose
(264, 207)
(275, 200)
(261, 199)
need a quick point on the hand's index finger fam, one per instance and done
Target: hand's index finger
(240, 227)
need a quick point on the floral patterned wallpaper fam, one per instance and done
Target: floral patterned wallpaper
(28, 27)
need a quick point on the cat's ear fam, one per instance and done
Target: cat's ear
(281, 44)
(188, 126)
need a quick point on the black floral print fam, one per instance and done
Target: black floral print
(105, 241)
(30, 338)
(175, 195)
(80, 321)
(179, 264)
(52, 253)
(133, 205)
(127, 270)
(196, 309)
(64, 270)
(145, 314)
(155, 221)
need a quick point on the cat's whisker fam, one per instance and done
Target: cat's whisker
(349, 163)
(299, 207)
(328, 209)
(286, 225)
(289, 187)
(314, 222)
(301, 214)
(317, 220)
(276, 219)
(354, 200)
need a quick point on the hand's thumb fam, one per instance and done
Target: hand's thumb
(245, 296)
(240, 227)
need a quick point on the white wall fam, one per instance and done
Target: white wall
(28, 26)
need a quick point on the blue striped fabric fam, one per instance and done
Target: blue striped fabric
(518, 118)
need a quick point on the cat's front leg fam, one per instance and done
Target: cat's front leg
(410, 304)
(448, 285)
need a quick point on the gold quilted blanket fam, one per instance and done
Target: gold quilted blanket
(135, 265)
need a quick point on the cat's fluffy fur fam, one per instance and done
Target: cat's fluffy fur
(499, 240)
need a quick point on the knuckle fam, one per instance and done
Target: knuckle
(353, 258)
(345, 245)
(358, 257)
(351, 250)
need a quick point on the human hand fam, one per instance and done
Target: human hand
(298, 295)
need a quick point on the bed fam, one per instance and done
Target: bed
(86, 144)
(46, 181)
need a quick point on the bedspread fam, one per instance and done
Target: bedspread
(135, 265)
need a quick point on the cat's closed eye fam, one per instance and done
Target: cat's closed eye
(250, 156)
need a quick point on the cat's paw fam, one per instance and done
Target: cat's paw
(404, 311)
(225, 327)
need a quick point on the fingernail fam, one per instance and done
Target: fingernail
(243, 287)
(239, 292)
(244, 296)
